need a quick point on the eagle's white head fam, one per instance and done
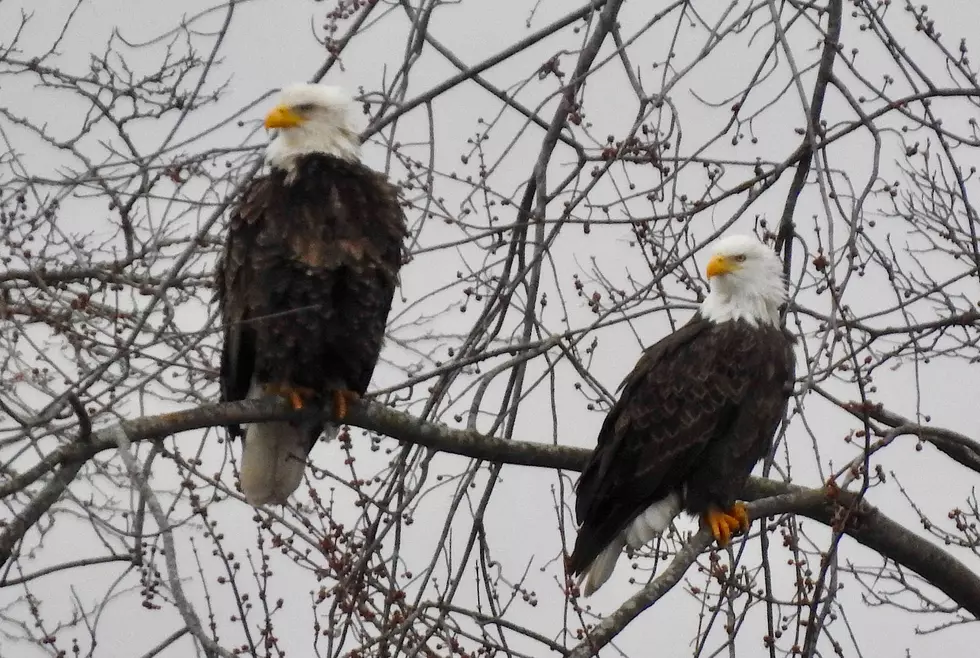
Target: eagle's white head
(746, 282)
(311, 119)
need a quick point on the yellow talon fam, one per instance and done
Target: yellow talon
(741, 514)
(295, 394)
(719, 527)
(342, 398)
(724, 525)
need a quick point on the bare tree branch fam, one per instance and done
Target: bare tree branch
(562, 170)
(867, 524)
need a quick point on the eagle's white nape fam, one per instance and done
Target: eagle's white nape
(326, 128)
(753, 290)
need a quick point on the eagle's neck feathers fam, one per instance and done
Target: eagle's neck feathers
(755, 300)
(289, 146)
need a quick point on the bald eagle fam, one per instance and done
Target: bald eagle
(696, 414)
(305, 283)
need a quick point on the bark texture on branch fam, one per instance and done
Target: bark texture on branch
(869, 526)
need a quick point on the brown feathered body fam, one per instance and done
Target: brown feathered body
(695, 415)
(305, 286)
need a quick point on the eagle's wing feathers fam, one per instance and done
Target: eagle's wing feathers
(621, 444)
(687, 394)
(234, 282)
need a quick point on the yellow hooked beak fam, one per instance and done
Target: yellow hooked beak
(719, 265)
(282, 116)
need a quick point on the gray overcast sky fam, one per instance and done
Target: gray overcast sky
(268, 44)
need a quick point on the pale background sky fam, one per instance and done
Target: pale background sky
(270, 44)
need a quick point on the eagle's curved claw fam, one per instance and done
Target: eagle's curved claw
(741, 513)
(724, 524)
(295, 394)
(342, 398)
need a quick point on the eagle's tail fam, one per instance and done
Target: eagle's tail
(651, 522)
(274, 458)
(273, 461)
(596, 575)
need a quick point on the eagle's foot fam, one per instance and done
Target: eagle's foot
(342, 399)
(740, 512)
(297, 395)
(724, 524)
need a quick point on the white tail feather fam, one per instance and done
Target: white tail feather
(651, 522)
(273, 462)
(274, 457)
(602, 567)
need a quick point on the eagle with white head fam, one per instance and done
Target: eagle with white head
(306, 282)
(695, 415)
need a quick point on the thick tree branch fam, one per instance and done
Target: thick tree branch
(613, 624)
(868, 525)
(873, 529)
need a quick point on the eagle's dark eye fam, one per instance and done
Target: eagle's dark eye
(305, 107)
(740, 258)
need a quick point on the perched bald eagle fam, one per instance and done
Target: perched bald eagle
(696, 414)
(306, 282)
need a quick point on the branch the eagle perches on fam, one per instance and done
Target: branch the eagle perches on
(865, 523)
